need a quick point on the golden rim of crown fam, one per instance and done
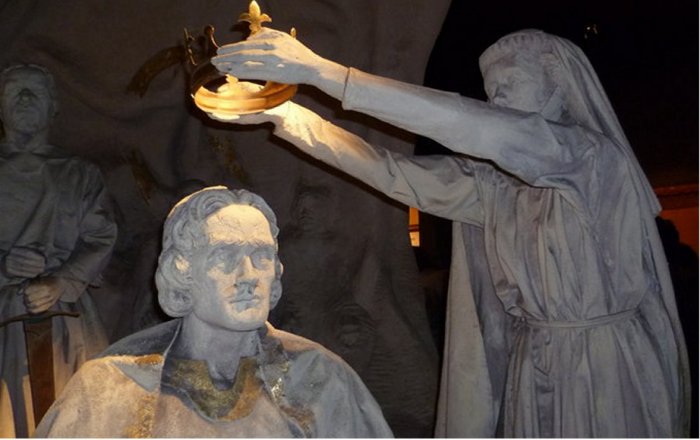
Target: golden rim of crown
(226, 95)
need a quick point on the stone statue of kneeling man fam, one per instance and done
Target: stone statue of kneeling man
(218, 369)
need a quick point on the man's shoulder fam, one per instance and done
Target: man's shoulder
(317, 379)
(102, 375)
(296, 344)
(61, 157)
(145, 342)
(109, 372)
(47, 152)
(107, 365)
(306, 354)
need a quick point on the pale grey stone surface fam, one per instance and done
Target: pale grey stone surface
(217, 370)
(56, 236)
(95, 48)
(561, 316)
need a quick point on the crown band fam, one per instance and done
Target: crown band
(215, 92)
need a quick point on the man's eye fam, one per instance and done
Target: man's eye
(225, 266)
(223, 261)
(261, 258)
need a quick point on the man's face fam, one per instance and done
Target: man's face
(26, 104)
(233, 274)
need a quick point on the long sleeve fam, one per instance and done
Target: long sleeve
(540, 152)
(443, 186)
(97, 234)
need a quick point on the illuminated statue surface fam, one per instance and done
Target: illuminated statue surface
(56, 236)
(561, 316)
(218, 369)
(148, 147)
(232, 97)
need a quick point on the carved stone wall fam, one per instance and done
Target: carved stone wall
(351, 279)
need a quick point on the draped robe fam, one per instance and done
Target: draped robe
(55, 204)
(561, 318)
(292, 387)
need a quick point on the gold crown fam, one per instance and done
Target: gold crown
(224, 95)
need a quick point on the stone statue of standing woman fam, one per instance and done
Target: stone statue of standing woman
(561, 318)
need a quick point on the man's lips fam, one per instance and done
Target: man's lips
(244, 293)
(24, 108)
(246, 299)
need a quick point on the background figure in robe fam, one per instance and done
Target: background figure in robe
(218, 370)
(56, 235)
(561, 318)
(162, 135)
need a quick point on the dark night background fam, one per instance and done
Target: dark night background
(645, 53)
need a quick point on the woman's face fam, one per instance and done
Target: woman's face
(518, 82)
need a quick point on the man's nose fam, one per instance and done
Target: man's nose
(245, 267)
(26, 93)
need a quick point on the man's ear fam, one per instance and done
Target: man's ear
(174, 282)
(54, 107)
(276, 288)
(177, 303)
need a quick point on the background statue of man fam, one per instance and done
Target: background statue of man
(561, 316)
(219, 369)
(56, 235)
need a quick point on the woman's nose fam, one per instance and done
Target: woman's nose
(499, 98)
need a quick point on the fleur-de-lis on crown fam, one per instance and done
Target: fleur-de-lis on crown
(232, 97)
(254, 17)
